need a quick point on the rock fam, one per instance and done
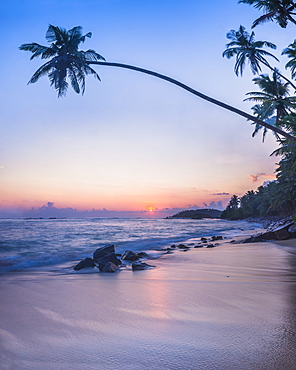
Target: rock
(143, 255)
(103, 251)
(282, 233)
(110, 257)
(203, 239)
(292, 231)
(173, 246)
(210, 246)
(130, 256)
(140, 266)
(182, 246)
(87, 262)
(110, 267)
(219, 237)
(198, 246)
(269, 235)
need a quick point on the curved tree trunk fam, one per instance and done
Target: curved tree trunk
(279, 74)
(202, 96)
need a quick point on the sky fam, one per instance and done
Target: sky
(132, 144)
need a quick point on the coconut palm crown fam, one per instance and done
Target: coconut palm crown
(246, 49)
(274, 102)
(67, 61)
(290, 52)
(280, 11)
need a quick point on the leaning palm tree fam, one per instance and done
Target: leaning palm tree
(245, 48)
(68, 62)
(280, 11)
(273, 101)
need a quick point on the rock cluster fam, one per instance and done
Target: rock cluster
(107, 260)
(276, 231)
(203, 243)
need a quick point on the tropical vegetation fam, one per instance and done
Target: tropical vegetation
(274, 104)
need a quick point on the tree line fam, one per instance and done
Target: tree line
(275, 103)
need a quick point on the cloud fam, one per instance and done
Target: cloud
(221, 194)
(258, 176)
(216, 205)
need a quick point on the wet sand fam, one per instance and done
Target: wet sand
(229, 307)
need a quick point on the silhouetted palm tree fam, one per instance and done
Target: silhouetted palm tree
(290, 52)
(273, 99)
(246, 49)
(280, 11)
(69, 62)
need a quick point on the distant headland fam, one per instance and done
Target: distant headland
(197, 214)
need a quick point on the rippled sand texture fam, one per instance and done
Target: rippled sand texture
(230, 307)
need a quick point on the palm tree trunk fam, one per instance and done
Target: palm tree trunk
(202, 96)
(278, 73)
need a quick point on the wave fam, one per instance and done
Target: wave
(27, 244)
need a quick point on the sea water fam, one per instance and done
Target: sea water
(39, 243)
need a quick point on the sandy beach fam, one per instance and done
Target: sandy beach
(229, 307)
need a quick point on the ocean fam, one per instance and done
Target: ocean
(27, 244)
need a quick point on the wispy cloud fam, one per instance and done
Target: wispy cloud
(221, 194)
(259, 176)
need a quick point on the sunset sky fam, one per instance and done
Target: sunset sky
(132, 142)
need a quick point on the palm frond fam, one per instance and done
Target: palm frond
(56, 34)
(43, 70)
(73, 80)
(264, 19)
(93, 55)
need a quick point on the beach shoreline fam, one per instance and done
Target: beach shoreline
(228, 307)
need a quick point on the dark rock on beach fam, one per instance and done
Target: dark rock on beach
(130, 256)
(87, 262)
(292, 231)
(110, 257)
(106, 255)
(103, 251)
(106, 259)
(282, 233)
(218, 237)
(110, 267)
(140, 266)
(277, 232)
(143, 255)
(182, 246)
(269, 235)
